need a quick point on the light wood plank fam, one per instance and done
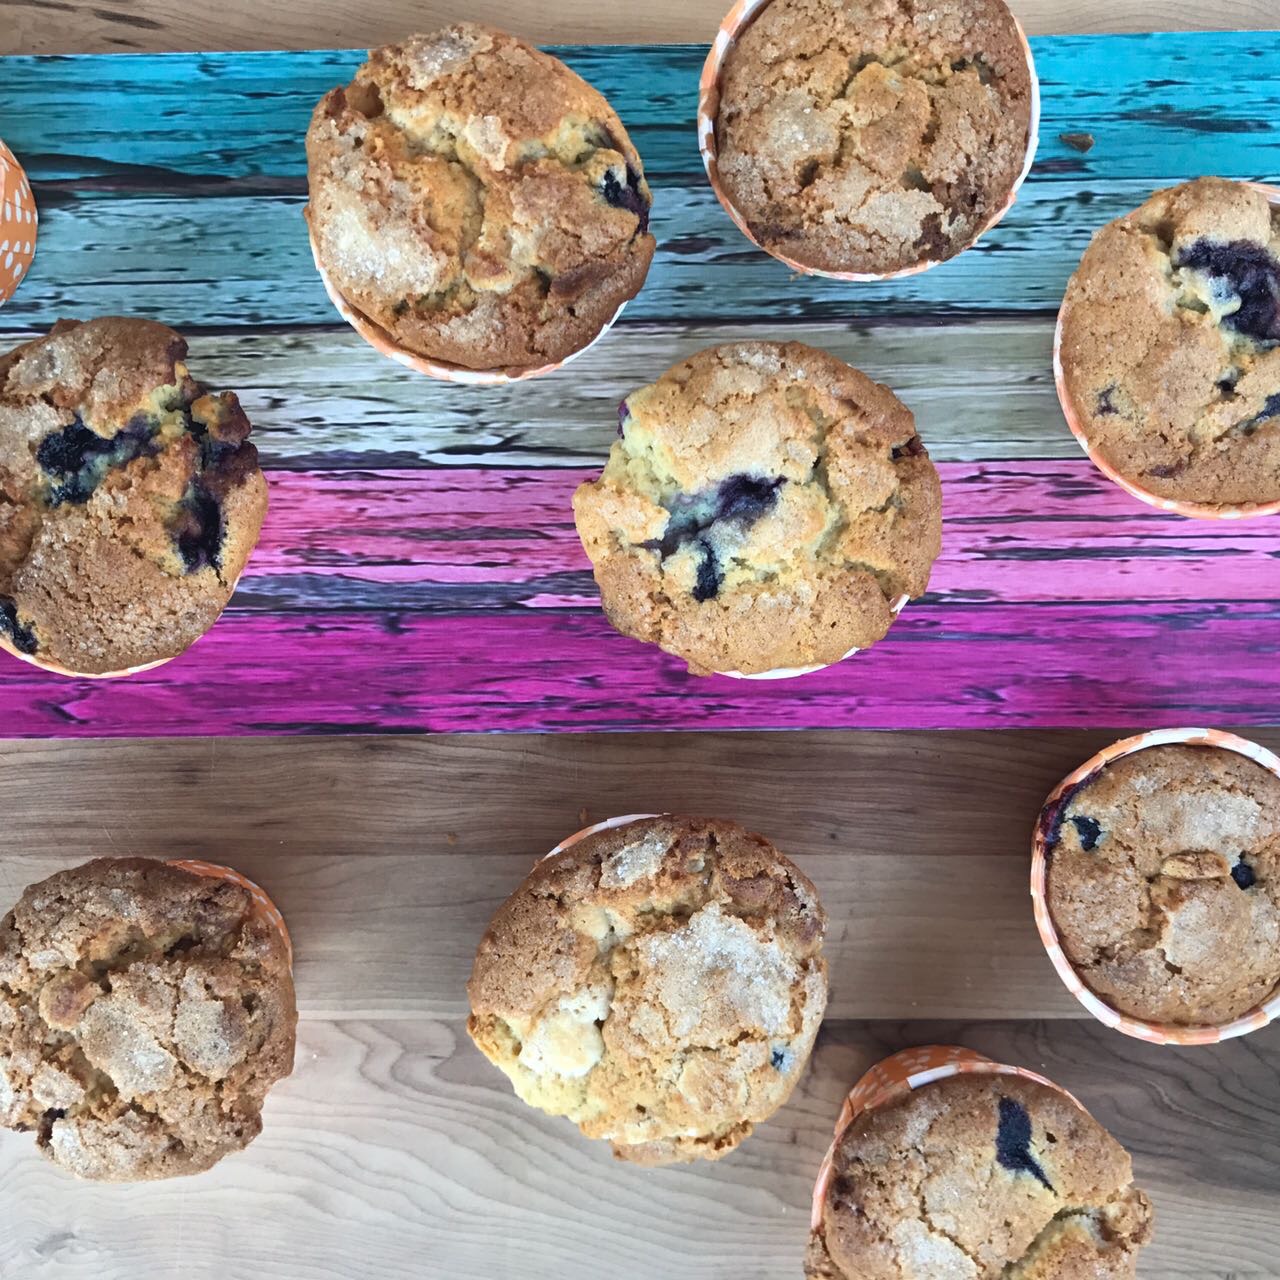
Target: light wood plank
(113, 26)
(396, 1151)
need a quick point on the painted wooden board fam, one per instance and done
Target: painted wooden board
(419, 570)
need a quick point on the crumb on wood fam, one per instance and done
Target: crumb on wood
(451, 837)
(584, 815)
(1078, 141)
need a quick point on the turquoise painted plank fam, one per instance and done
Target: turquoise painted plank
(241, 261)
(1159, 106)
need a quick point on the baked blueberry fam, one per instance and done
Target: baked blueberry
(1244, 270)
(1013, 1142)
(1243, 874)
(1089, 831)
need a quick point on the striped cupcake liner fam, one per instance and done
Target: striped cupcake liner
(895, 1078)
(1195, 510)
(1151, 1032)
(735, 23)
(19, 223)
(382, 342)
(263, 906)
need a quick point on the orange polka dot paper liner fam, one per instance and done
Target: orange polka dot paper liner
(18, 223)
(1151, 1032)
(901, 1074)
(736, 21)
(1195, 510)
(263, 906)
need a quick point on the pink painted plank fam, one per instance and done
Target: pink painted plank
(1028, 531)
(943, 666)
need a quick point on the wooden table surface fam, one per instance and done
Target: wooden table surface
(395, 1150)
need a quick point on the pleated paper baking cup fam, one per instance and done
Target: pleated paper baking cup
(607, 825)
(382, 342)
(18, 224)
(1152, 1032)
(263, 906)
(786, 673)
(1195, 510)
(895, 1078)
(738, 19)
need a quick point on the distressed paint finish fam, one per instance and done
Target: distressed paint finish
(419, 569)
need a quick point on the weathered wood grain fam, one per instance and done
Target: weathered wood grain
(114, 26)
(396, 1151)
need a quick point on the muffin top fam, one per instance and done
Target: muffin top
(765, 506)
(873, 135)
(1170, 344)
(979, 1177)
(144, 1013)
(130, 497)
(659, 983)
(1164, 883)
(477, 200)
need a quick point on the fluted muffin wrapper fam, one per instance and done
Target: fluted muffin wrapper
(1195, 510)
(19, 223)
(894, 1078)
(1152, 1032)
(382, 342)
(569, 841)
(54, 668)
(735, 22)
(263, 906)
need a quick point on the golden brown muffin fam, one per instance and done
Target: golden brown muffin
(1170, 344)
(766, 507)
(872, 135)
(477, 200)
(979, 1177)
(130, 497)
(145, 1012)
(660, 983)
(1163, 882)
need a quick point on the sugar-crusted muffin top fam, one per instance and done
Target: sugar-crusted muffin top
(1164, 883)
(145, 1011)
(1170, 344)
(660, 984)
(477, 199)
(130, 497)
(979, 1177)
(871, 135)
(765, 506)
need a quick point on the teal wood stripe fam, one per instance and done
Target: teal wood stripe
(244, 261)
(1158, 106)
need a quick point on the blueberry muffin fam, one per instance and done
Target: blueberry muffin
(873, 135)
(766, 506)
(144, 1014)
(1170, 345)
(130, 497)
(477, 200)
(979, 1177)
(1163, 881)
(660, 984)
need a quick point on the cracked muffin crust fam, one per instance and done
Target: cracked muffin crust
(477, 200)
(766, 506)
(1170, 345)
(659, 983)
(873, 135)
(979, 1177)
(1163, 881)
(130, 497)
(145, 1012)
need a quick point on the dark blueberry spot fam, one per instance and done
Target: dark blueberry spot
(623, 414)
(1051, 820)
(778, 1059)
(198, 531)
(1167, 472)
(1251, 273)
(1270, 409)
(707, 586)
(1013, 1142)
(78, 459)
(1090, 832)
(745, 498)
(1106, 405)
(1243, 874)
(628, 197)
(23, 638)
(913, 448)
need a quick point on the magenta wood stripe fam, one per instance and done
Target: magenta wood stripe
(943, 666)
(1014, 531)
